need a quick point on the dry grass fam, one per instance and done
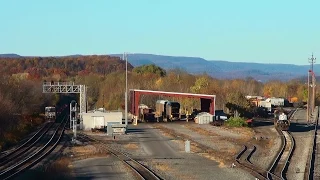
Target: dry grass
(218, 160)
(60, 169)
(88, 151)
(222, 157)
(60, 166)
(131, 146)
(168, 168)
(162, 167)
(200, 130)
(245, 131)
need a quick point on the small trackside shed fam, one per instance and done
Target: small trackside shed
(207, 101)
(100, 120)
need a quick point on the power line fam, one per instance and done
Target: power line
(312, 61)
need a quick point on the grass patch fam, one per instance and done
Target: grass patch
(88, 151)
(236, 122)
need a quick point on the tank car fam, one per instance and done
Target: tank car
(50, 113)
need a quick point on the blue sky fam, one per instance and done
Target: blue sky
(242, 31)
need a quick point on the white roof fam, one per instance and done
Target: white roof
(177, 93)
(143, 106)
(162, 101)
(204, 114)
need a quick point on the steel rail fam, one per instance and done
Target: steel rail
(290, 153)
(277, 170)
(247, 165)
(8, 152)
(28, 162)
(23, 148)
(138, 168)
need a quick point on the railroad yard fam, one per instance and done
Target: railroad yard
(130, 90)
(157, 151)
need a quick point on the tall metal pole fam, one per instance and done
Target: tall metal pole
(312, 60)
(126, 93)
(313, 95)
(308, 99)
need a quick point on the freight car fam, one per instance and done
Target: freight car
(167, 110)
(146, 114)
(50, 113)
(173, 110)
(161, 109)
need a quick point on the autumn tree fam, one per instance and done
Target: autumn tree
(237, 103)
(153, 69)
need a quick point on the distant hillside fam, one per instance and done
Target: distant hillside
(223, 69)
(216, 68)
(10, 55)
(65, 66)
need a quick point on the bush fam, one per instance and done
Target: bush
(236, 122)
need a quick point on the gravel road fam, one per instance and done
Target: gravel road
(198, 164)
(165, 154)
(302, 134)
(101, 168)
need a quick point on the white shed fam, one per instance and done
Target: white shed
(100, 120)
(204, 118)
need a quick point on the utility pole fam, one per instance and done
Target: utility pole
(308, 98)
(103, 102)
(312, 61)
(125, 57)
(314, 94)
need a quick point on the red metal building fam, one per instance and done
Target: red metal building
(207, 101)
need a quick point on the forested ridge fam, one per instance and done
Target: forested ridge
(69, 66)
(21, 87)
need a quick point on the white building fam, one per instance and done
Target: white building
(100, 119)
(204, 118)
(265, 104)
(276, 101)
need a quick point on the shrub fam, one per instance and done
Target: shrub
(236, 122)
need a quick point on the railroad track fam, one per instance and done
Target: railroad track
(26, 143)
(313, 165)
(138, 168)
(12, 155)
(279, 166)
(243, 160)
(24, 160)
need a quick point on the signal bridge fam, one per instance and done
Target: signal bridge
(68, 88)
